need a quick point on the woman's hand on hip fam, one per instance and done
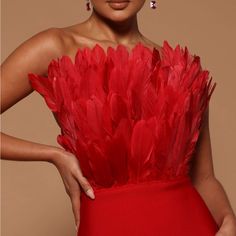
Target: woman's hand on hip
(73, 179)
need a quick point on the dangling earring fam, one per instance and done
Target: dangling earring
(88, 5)
(153, 4)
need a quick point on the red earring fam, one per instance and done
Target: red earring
(88, 5)
(153, 4)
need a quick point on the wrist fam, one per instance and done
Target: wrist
(54, 154)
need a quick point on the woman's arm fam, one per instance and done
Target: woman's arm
(34, 56)
(205, 181)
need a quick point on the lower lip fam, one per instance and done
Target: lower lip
(118, 5)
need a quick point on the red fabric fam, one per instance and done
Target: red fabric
(131, 118)
(156, 208)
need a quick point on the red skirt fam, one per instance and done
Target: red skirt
(156, 208)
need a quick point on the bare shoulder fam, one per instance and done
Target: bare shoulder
(32, 55)
(51, 42)
(38, 49)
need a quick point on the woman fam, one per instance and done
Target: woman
(142, 175)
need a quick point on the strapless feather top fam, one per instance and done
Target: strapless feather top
(129, 117)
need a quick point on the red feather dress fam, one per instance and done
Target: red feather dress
(133, 120)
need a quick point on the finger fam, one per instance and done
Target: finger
(75, 200)
(66, 185)
(76, 208)
(84, 183)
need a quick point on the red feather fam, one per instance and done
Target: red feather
(128, 116)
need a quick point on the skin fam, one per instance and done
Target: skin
(107, 27)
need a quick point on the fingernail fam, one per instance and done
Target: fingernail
(76, 228)
(90, 193)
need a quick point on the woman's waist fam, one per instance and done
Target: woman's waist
(146, 187)
(138, 206)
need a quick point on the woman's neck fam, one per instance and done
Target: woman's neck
(125, 32)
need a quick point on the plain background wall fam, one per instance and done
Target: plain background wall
(34, 201)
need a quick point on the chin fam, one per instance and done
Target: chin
(117, 17)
